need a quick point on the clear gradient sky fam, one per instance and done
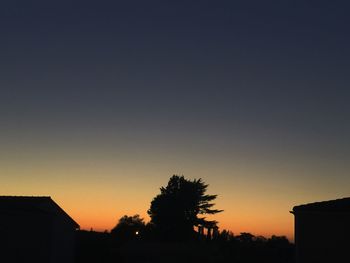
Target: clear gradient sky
(102, 101)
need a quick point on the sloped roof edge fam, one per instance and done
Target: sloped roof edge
(42, 203)
(336, 205)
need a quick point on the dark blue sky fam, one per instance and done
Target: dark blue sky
(266, 80)
(217, 57)
(275, 70)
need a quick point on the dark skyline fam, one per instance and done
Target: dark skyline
(246, 94)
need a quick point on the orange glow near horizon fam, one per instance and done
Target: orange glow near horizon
(96, 192)
(101, 103)
(243, 223)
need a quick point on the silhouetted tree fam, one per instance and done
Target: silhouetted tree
(225, 236)
(175, 211)
(128, 228)
(246, 238)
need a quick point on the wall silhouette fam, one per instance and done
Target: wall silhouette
(322, 231)
(35, 229)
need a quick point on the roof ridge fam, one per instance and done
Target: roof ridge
(339, 204)
(42, 203)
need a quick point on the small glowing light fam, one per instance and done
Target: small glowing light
(137, 232)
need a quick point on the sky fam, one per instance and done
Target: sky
(102, 101)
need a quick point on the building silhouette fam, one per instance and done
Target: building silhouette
(322, 231)
(35, 229)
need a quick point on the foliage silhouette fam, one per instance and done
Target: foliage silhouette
(95, 247)
(246, 238)
(175, 211)
(128, 228)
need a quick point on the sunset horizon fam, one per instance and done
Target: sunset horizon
(102, 102)
(103, 215)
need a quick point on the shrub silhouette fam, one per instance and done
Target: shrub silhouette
(128, 228)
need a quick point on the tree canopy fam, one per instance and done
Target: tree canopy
(180, 206)
(128, 227)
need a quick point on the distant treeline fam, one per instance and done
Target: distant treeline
(179, 232)
(103, 247)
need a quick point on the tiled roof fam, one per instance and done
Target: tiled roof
(37, 204)
(337, 205)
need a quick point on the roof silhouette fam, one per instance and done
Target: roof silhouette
(35, 204)
(337, 205)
